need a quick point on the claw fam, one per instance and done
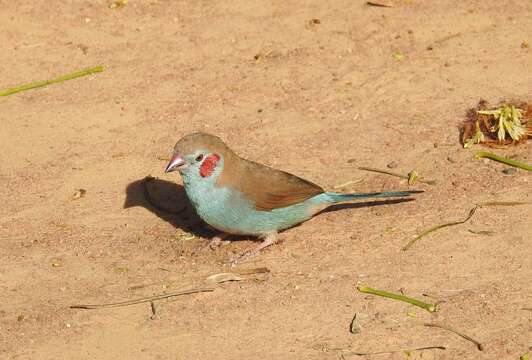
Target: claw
(216, 242)
(269, 239)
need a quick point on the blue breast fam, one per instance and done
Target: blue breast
(227, 209)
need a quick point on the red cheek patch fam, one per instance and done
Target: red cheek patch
(208, 165)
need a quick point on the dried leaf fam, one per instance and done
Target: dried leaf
(56, 263)
(399, 56)
(260, 270)
(481, 232)
(117, 4)
(121, 269)
(477, 138)
(223, 277)
(185, 236)
(412, 177)
(78, 194)
(509, 121)
(354, 327)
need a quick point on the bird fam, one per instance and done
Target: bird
(237, 196)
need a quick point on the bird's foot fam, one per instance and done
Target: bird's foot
(268, 240)
(216, 242)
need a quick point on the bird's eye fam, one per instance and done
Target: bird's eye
(199, 157)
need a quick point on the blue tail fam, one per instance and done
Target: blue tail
(338, 197)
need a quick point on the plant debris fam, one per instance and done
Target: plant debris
(502, 125)
(143, 300)
(412, 175)
(480, 347)
(185, 236)
(492, 156)
(260, 270)
(399, 56)
(434, 228)
(407, 352)
(351, 182)
(121, 269)
(509, 171)
(118, 4)
(153, 308)
(78, 194)
(458, 222)
(481, 232)
(379, 3)
(354, 326)
(59, 79)
(429, 307)
(223, 277)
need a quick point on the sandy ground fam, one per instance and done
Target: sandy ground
(314, 97)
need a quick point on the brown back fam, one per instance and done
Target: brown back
(266, 187)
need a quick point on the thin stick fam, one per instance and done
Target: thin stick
(448, 37)
(467, 337)
(260, 270)
(434, 228)
(394, 351)
(59, 79)
(351, 182)
(503, 203)
(492, 156)
(379, 3)
(471, 212)
(153, 310)
(421, 304)
(430, 182)
(142, 300)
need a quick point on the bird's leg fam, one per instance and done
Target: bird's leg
(267, 240)
(217, 241)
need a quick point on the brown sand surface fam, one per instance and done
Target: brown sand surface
(360, 86)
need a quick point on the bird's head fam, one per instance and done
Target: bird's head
(198, 155)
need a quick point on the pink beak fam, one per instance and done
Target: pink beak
(176, 163)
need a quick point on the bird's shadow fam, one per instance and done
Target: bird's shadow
(358, 205)
(169, 202)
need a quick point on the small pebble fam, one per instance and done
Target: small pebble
(450, 159)
(509, 171)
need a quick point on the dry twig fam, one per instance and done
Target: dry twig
(501, 159)
(467, 337)
(471, 213)
(393, 351)
(59, 79)
(143, 300)
(421, 304)
(429, 182)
